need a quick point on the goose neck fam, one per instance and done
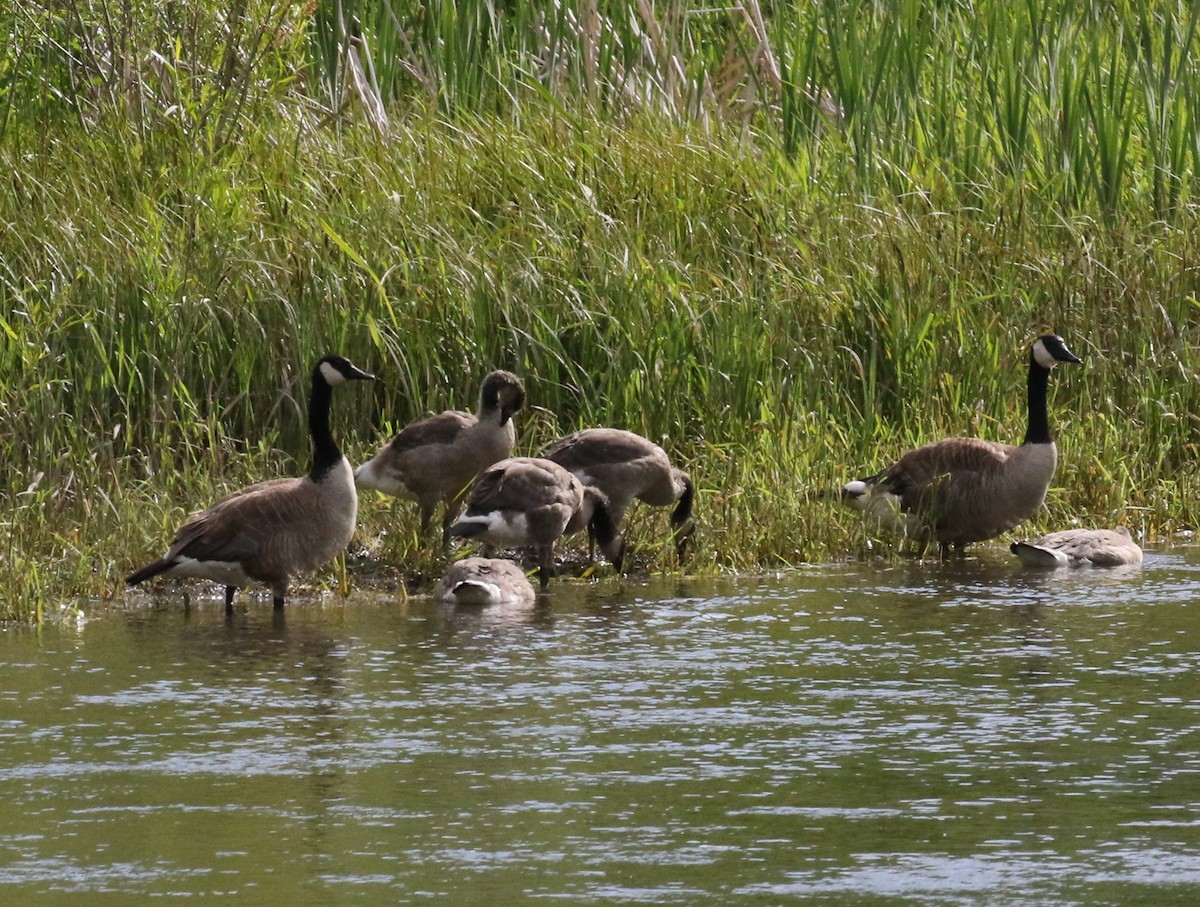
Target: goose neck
(326, 453)
(1038, 430)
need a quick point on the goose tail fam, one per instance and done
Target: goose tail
(153, 569)
(1037, 556)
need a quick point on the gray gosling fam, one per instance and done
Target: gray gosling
(625, 466)
(1079, 548)
(529, 502)
(270, 531)
(485, 581)
(436, 458)
(963, 490)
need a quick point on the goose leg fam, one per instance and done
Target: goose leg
(453, 509)
(545, 564)
(427, 509)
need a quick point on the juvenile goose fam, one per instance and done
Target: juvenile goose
(436, 458)
(484, 581)
(964, 490)
(625, 466)
(269, 531)
(1079, 547)
(530, 502)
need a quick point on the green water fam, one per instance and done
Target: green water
(934, 734)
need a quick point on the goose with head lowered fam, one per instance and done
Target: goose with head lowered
(624, 465)
(270, 531)
(1080, 548)
(484, 581)
(963, 490)
(436, 458)
(529, 502)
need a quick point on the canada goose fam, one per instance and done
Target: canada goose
(964, 490)
(1078, 547)
(530, 502)
(625, 466)
(269, 531)
(484, 581)
(436, 458)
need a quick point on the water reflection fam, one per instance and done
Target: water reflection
(917, 731)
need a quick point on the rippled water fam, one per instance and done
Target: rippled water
(924, 733)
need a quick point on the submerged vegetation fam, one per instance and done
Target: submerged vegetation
(786, 241)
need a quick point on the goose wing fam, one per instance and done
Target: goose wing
(598, 446)
(202, 540)
(932, 469)
(1032, 555)
(232, 529)
(520, 484)
(443, 428)
(1101, 547)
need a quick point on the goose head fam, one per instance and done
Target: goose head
(502, 391)
(1049, 350)
(334, 370)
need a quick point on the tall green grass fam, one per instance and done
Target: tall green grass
(1063, 104)
(786, 246)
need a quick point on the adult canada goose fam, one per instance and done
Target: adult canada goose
(1079, 547)
(436, 458)
(964, 490)
(484, 581)
(272, 530)
(529, 502)
(625, 466)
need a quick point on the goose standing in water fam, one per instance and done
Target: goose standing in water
(1079, 547)
(625, 466)
(270, 531)
(436, 458)
(529, 502)
(964, 490)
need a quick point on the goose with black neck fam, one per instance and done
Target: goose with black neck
(962, 490)
(270, 531)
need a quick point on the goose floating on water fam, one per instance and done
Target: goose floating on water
(1080, 547)
(485, 581)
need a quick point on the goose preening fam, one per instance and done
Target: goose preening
(625, 466)
(436, 458)
(1079, 547)
(529, 502)
(964, 490)
(484, 581)
(270, 531)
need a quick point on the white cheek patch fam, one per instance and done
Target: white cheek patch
(1042, 356)
(331, 375)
